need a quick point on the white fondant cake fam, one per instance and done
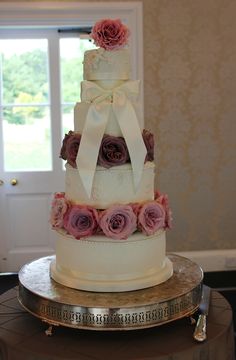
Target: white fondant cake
(111, 224)
(112, 128)
(101, 265)
(107, 65)
(118, 178)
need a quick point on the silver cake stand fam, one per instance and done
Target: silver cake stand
(56, 304)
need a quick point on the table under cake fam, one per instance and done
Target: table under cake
(22, 337)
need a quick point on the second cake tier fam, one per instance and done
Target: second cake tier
(111, 186)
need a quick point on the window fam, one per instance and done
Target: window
(41, 71)
(71, 60)
(28, 68)
(25, 104)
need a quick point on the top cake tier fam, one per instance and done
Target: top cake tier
(100, 64)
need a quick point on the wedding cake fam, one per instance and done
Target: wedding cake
(110, 222)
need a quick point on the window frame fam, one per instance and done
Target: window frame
(26, 15)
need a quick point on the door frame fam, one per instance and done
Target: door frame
(25, 15)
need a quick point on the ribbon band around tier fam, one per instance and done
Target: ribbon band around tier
(101, 102)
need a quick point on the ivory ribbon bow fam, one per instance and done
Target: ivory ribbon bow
(101, 101)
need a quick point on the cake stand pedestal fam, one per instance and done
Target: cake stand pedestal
(56, 304)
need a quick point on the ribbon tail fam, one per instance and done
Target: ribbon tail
(125, 114)
(90, 142)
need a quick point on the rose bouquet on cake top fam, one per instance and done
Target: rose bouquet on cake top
(110, 34)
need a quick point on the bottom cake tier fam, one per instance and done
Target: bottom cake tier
(104, 265)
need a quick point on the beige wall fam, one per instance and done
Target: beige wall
(190, 105)
(190, 102)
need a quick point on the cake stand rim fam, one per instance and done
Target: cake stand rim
(43, 308)
(91, 328)
(51, 257)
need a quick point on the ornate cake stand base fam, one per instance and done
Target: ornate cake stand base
(56, 304)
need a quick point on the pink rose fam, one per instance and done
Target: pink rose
(81, 221)
(136, 208)
(164, 201)
(151, 217)
(72, 147)
(148, 139)
(157, 194)
(113, 151)
(58, 210)
(58, 195)
(110, 34)
(118, 222)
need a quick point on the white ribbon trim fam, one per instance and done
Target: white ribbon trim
(101, 101)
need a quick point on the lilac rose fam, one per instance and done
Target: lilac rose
(63, 154)
(148, 139)
(151, 217)
(72, 147)
(81, 221)
(113, 151)
(118, 222)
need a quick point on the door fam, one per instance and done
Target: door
(40, 74)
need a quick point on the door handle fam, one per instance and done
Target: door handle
(14, 182)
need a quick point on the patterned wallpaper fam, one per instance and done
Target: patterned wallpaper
(190, 88)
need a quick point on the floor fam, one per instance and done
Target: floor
(7, 281)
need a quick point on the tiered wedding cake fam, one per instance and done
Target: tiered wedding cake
(110, 222)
